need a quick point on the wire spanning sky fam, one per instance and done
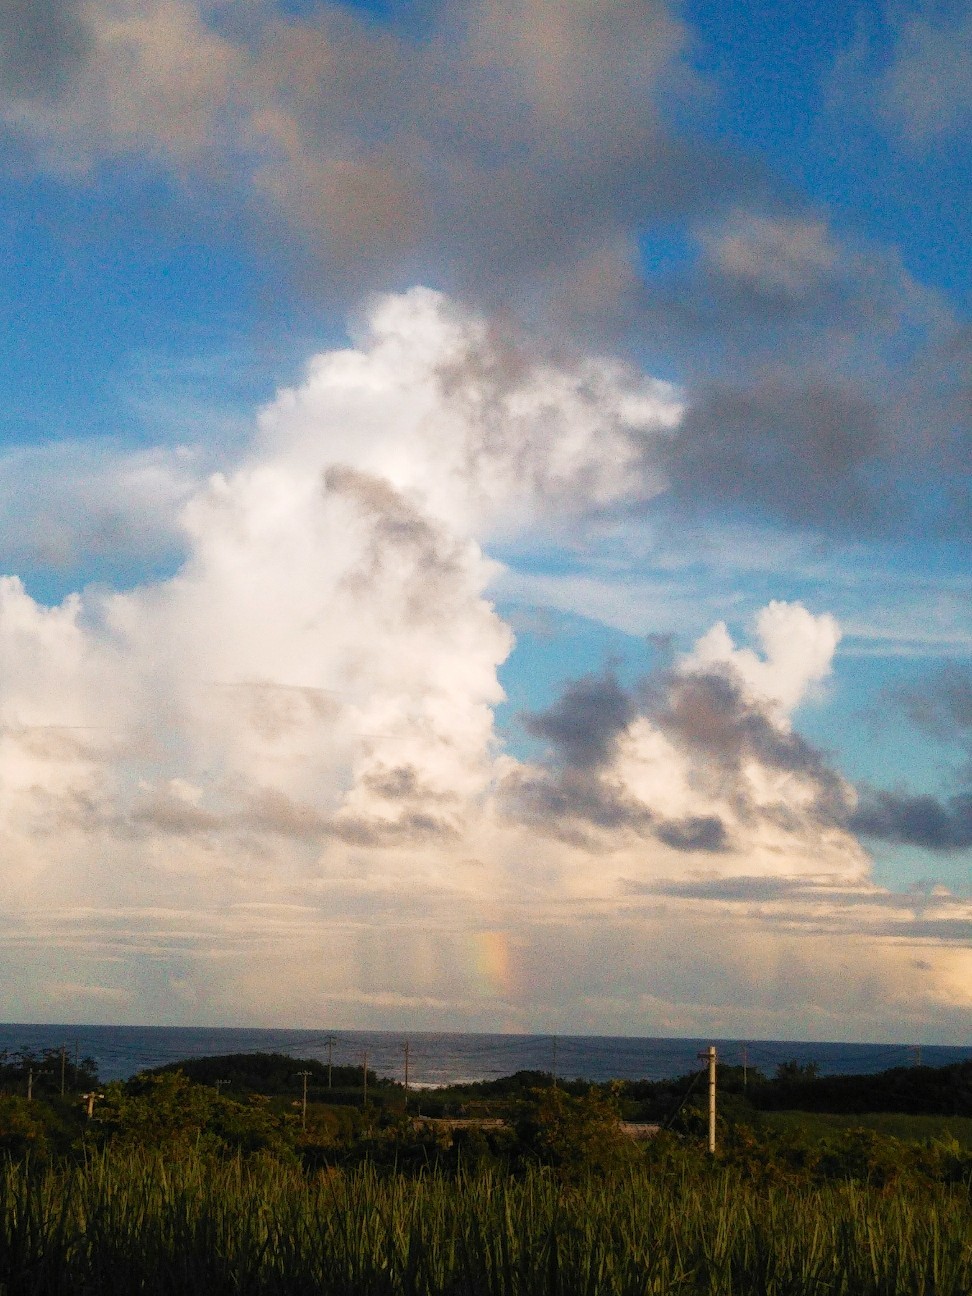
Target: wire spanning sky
(485, 516)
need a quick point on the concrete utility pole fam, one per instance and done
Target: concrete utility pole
(554, 1061)
(330, 1045)
(89, 1099)
(364, 1079)
(710, 1056)
(30, 1084)
(745, 1060)
(63, 1066)
(405, 1046)
(303, 1109)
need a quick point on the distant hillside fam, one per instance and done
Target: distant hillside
(939, 1091)
(275, 1074)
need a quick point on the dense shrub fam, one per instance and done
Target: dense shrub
(577, 1136)
(23, 1128)
(170, 1113)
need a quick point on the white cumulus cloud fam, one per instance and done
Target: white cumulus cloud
(282, 760)
(798, 650)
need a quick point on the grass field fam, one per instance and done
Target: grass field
(172, 1188)
(139, 1223)
(897, 1125)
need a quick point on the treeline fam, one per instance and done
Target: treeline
(940, 1091)
(279, 1074)
(46, 1071)
(930, 1091)
(572, 1134)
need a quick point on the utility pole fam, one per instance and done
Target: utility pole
(330, 1045)
(89, 1099)
(554, 1060)
(745, 1060)
(30, 1084)
(219, 1084)
(303, 1110)
(710, 1056)
(405, 1046)
(63, 1066)
(712, 1098)
(364, 1079)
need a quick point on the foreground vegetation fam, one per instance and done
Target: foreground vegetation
(134, 1222)
(176, 1186)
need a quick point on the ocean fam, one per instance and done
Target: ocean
(446, 1058)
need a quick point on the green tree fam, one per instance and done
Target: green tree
(577, 1136)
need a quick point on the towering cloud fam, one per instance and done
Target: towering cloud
(323, 665)
(280, 764)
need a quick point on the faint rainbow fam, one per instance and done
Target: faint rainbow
(492, 962)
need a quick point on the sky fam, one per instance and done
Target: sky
(485, 515)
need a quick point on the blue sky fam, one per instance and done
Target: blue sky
(703, 328)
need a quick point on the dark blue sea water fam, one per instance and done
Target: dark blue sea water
(436, 1059)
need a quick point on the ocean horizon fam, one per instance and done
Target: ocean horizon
(445, 1057)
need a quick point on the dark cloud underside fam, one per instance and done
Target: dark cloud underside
(922, 820)
(704, 715)
(41, 43)
(942, 708)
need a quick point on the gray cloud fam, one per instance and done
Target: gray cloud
(406, 817)
(750, 889)
(916, 820)
(783, 259)
(821, 905)
(582, 728)
(709, 714)
(797, 453)
(42, 42)
(695, 833)
(399, 527)
(408, 828)
(403, 783)
(777, 890)
(942, 707)
(584, 723)
(756, 890)
(173, 816)
(927, 89)
(573, 805)
(512, 146)
(497, 148)
(270, 810)
(515, 153)
(579, 793)
(948, 931)
(828, 389)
